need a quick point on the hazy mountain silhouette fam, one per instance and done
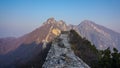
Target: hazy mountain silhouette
(99, 35)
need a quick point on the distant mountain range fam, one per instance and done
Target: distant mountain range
(100, 36)
(22, 49)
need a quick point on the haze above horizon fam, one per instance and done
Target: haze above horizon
(18, 17)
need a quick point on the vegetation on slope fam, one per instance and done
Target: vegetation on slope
(89, 54)
(109, 59)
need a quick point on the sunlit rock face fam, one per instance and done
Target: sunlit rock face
(62, 56)
(56, 31)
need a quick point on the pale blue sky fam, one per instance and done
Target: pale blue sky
(18, 17)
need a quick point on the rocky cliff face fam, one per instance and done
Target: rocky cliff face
(45, 33)
(62, 56)
(21, 50)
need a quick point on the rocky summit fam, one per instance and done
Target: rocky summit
(61, 55)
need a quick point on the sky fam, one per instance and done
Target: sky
(18, 17)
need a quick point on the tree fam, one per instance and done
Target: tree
(115, 58)
(109, 59)
(105, 61)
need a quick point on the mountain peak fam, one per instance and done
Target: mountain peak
(91, 26)
(99, 35)
(51, 20)
(87, 22)
(61, 22)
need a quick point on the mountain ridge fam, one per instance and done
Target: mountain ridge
(51, 27)
(61, 55)
(93, 32)
(98, 35)
(38, 35)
